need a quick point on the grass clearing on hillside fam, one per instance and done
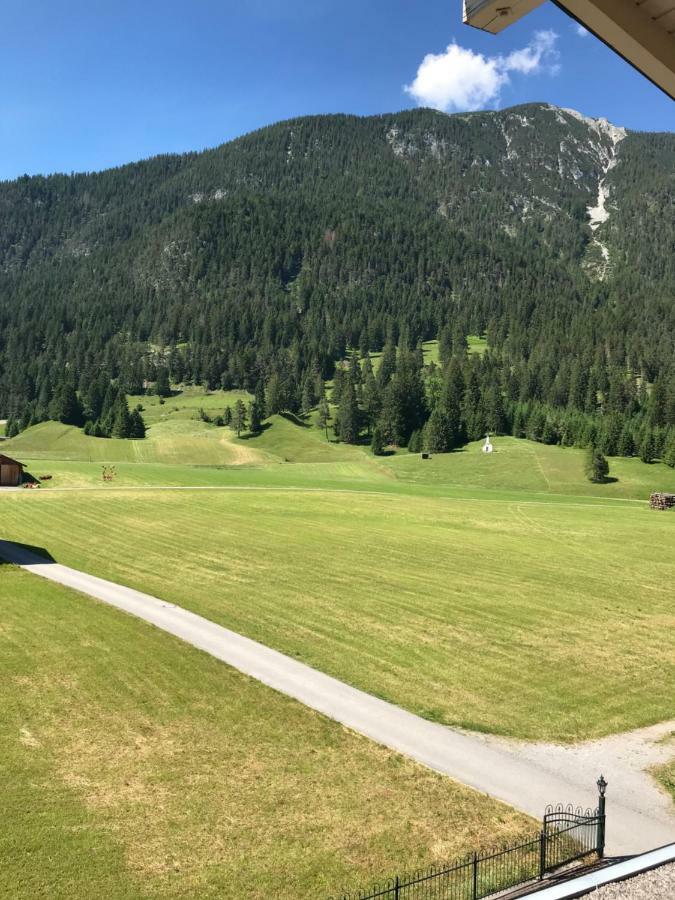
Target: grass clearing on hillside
(176, 436)
(174, 442)
(537, 619)
(476, 344)
(134, 766)
(525, 466)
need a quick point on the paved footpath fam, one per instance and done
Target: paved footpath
(639, 816)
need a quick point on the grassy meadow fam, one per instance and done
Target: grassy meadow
(134, 766)
(501, 593)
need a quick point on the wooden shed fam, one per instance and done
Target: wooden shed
(11, 472)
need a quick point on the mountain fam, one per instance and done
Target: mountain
(550, 232)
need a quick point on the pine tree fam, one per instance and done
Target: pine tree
(307, 399)
(65, 406)
(597, 467)
(377, 443)
(393, 413)
(669, 449)
(415, 442)
(372, 401)
(122, 423)
(239, 417)
(137, 424)
(348, 416)
(274, 396)
(162, 386)
(438, 432)
(626, 445)
(227, 415)
(387, 365)
(11, 428)
(658, 403)
(254, 422)
(494, 410)
(324, 415)
(647, 449)
(259, 395)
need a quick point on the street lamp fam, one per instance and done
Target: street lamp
(600, 843)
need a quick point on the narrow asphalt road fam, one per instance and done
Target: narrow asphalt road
(638, 819)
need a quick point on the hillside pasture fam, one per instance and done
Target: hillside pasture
(133, 766)
(176, 435)
(519, 467)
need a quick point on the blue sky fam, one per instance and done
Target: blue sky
(87, 85)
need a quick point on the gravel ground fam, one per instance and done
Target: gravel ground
(659, 884)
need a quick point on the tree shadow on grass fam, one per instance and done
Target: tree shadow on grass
(16, 553)
(250, 436)
(295, 420)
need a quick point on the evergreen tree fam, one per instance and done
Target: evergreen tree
(378, 442)
(626, 445)
(416, 442)
(647, 449)
(137, 424)
(254, 422)
(122, 422)
(65, 406)
(348, 416)
(162, 386)
(324, 415)
(439, 434)
(372, 401)
(392, 417)
(11, 428)
(239, 417)
(227, 415)
(669, 449)
(274, 396)
(387, 365)
(307, 399)
(597, 467)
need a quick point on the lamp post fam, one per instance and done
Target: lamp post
(602, 788)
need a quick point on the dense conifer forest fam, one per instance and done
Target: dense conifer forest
(288, 256)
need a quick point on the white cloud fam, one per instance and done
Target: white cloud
(540, 50)
(581, 31)
(461, 79)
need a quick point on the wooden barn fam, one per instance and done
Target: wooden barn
(11, 472)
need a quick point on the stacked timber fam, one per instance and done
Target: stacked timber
(659, 500)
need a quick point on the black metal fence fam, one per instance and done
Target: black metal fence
(567, 834)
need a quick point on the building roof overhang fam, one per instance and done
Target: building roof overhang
(641, 31)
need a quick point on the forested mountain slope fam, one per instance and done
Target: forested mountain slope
(275, 252)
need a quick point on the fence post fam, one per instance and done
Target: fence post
(397, 888)
(542, 853)
(600, 837)
(475, 875)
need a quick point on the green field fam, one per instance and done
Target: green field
(500, 593)
(133, 766)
